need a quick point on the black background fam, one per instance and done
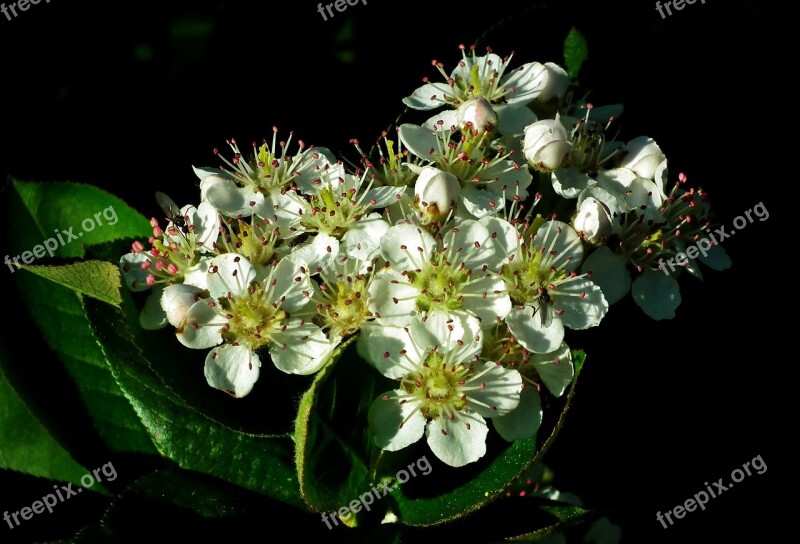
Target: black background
(127, 96)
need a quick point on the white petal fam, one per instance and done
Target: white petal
(555, 369)
(504, 235)
(206, 225)
(302, 349)
(382, 346)
(197, 274)
(581, 301)
(314, 164)
(282, 209)
(386, 417)
(657, 294)
(489, 300)
(362, 239)
(450, 327)
(481, 202)
(716, 258)
(528, 330)
(510, 174)
(419, 140)
(380, 197)
(176, 302)
(525, 83)
(203, 172)
(444, 119)
(319, 252)
(201, 328)
(293, 287)
(429, 96)
(152, 316)
(512, 120)
(229, 198)
(561, 244)
(569, 182)
(407, 247)
(392, 299)
(135, 277)
(524, 420)
(472, 244)
(230, 273)
(609, 272)
(233, 369)
(500, 389)
(459, 441)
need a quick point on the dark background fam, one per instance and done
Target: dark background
(127, 96)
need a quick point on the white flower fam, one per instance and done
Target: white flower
(245, 315)
(508, 92)
(448, 284)
(488, 177)
(547, 144)
(444, 394)
(546, 292)
(483, 76)
(264, 184)
(342, 301)
(592, 221)
(177, 254)
(338, 205)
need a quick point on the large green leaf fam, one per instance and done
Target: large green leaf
(191, 438)
(332, 437)
(27, 445)
(92, 216)
(34, 212)
(196, 508)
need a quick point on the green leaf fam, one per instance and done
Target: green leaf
(333, 441)
(70, 216)
(181, 432)
(97, 279)
(575, 52)
(491, 483)
(58, 311)
(27, 445)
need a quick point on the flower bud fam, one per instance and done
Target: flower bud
(547, 144)
(553, 82)
(593, 221)
(643, 156)
(479, 114)
(436, 191)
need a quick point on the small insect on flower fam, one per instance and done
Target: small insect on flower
(172, 211)
(545, 312)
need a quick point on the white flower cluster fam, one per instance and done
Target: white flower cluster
(429, 251)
